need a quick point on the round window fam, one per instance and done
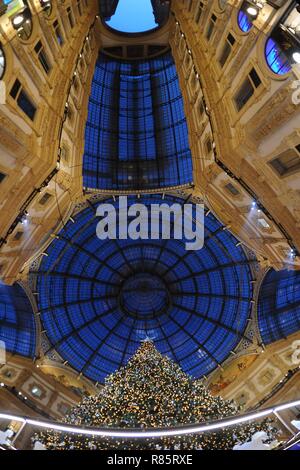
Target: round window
(276, 58)
(244, 22)
(2, 62)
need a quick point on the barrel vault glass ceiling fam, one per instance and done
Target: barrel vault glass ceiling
(17, 323)
(136, 133)
(279, 305)
(99, 299)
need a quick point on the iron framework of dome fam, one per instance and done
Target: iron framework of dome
(136, 133)
(99, 299)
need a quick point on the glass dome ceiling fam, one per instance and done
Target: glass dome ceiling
(99, 299)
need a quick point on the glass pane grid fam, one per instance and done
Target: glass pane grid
(136, 133)
(98, 296)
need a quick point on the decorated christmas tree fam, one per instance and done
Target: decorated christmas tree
(151, 391)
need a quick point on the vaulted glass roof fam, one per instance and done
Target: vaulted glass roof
(279, 305)
(17, 324)
(99, 299)
(136, 133)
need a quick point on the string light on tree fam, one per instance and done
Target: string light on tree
(151, 391)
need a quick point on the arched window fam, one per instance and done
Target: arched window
(276, 58)
(22, 23)
(2, 62)
(278, 305)
(17, 331)
(244, 22)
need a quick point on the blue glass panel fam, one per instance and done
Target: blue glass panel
(244, 22)
(279, 305)
(17, 324)
(100, 299)
(136, 133)
(276, 58)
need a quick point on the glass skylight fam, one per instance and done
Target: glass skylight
(133, 16)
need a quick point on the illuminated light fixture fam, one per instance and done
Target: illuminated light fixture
(296, 57)
(254, 8)
(46, 6)
(21, 18)
(45, 3)
(252, 11)
(18, 21)
(141, 433)
(13, 418)
(155, 433)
